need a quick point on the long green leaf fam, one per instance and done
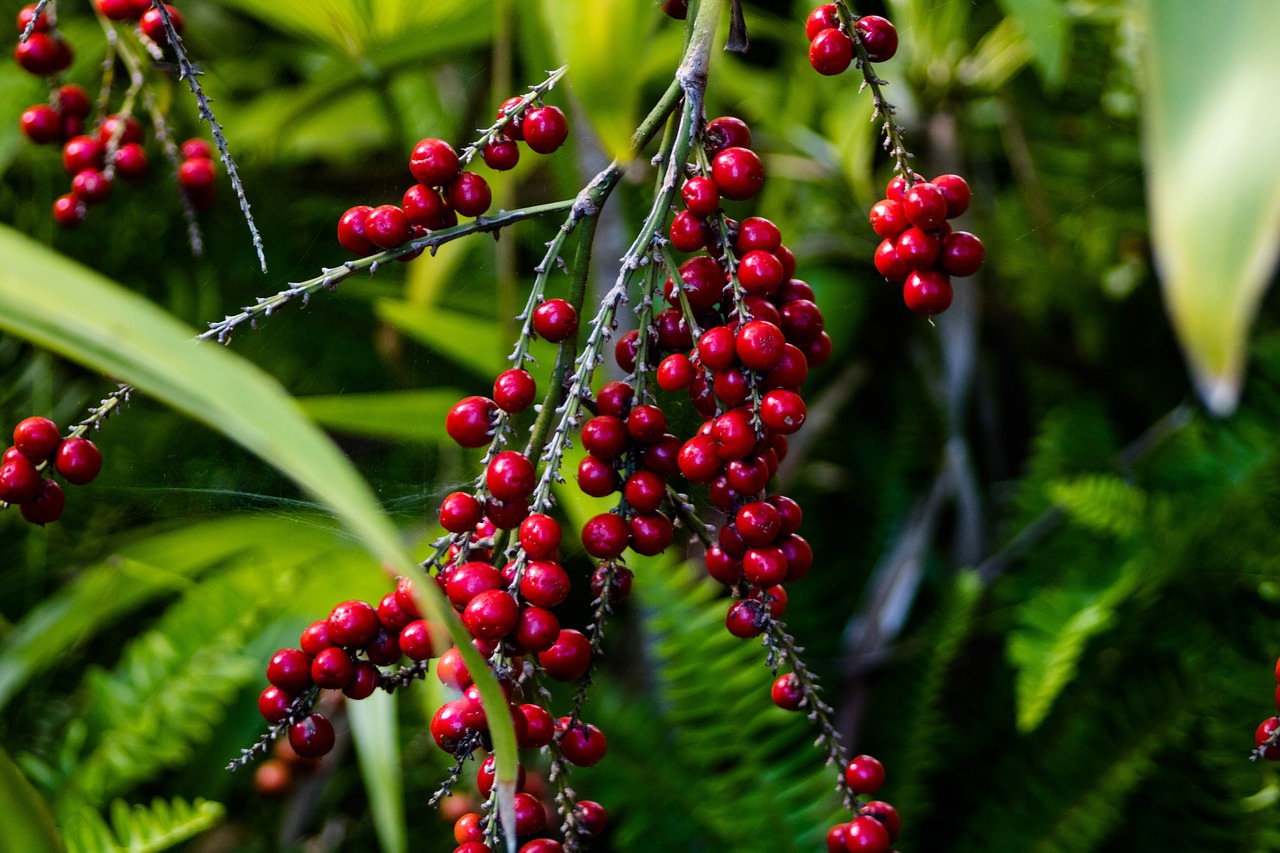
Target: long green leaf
(1211, 134)
(68, 309)
(396, 415)
(376, 734)
(27, 825)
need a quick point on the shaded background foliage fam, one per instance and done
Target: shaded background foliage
(1045, 579)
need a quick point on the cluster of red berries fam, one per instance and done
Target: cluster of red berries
(918, 246)
(444, 189)
(831, 48)
(1267, 736)
(37, 442)
(44, 52)
(877, 824)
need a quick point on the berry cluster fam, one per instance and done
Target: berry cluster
(877, 824)
(444, 189)
(114, 145)
(918, 246)
(37, 442)
(831, 46)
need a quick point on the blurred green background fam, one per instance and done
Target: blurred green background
(1045, 575)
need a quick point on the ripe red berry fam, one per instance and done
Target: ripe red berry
(727, 132)
(677, 9)
(469, 194)
(460, 512)
(830, 52)
(290, 670)
(46, 505)
(353, 623)
(38, 54)
(596, 477)
(545, 129)
(130, 161)
(78, 461)
(888, 263)
(41, 124)
(124, 129)
(470, 421)
(605, 536)
(866, 835)
(886, 814)
(386, 226)
(878, 36)
(924, 205)
(738, 173)
(26, 13)
(836, 836)
(701, 196)
(864, 775)
(80, 153)
(888, 219)
(746, 618)
(555, 320)
(19, 479)
(955, 190)
(759, 344)
(311, 737)
(688, 232)
(650, 533)
(501, 154)
(756, 232)
(718, 348)
(540, 539)
(787, 692)
(424, 206)
(544, 583)
(917, 249)
(510, 476)
(491, 615)
(197, 175)
(332, 668)
(759, 273)
(824, 17)
(583, 744)
(36, 438)
(273, 704)
(569, 657)
(927, 292)
(415, 640)
(514, 390)
(782, 411)
(539, 726)
(961, 254)
(757, 523)
(614, 398)
(434, 162)
(92, 186)
(117, 10)
(645, 491)
(646, 424)
(675, 373)
(351, 233)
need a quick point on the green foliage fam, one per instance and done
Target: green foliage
(141, 829)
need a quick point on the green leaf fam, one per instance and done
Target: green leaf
(1101, 502)
(469, 341)
(28, 827)
(396, 415)
(57, 304)
(1211, 136)
(1045, 25)
(139, 828)
(375, 731)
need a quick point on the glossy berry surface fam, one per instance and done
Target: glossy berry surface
(312, 737)
(555, 320)
(738, 173)
(545, 129)
(878, 36)
(470, 421)
(701, 196)
(434, 163)
(78, 461)
(501, 155)
(386, 226)
(823, 17)
(830, 52)
(469, 194)
(864, 774)
(927, 292)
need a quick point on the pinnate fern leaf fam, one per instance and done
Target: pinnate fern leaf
(140, 828)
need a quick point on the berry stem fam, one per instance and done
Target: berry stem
(35, 16)
(894, 140)
(187, 71)
(535, 94)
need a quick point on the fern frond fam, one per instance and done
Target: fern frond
(139, 828)
(1101, 502)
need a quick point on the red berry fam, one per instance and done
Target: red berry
(45, 505)
(888, 263)
(273, 704)
(469, 194)
(501, 154)
(888, 219)
(353, 623)
(19, 479)
(613, 578)
(544, 583)
(866, 835)
(510, 476)
(759, 273)
(332, 668)
(757, 523)
(727, 132)
(460, 512)
(386, 226)
(738, 173)
(822, 18)
(130, 161)
(646, 424)
(746, 618)
(961, 254)
(290, 670)
(198, 175)
(864, 775)
(927, 292)
(78, 461)
(756, 232)
(924, 205)
(688, 232)
(886, 814)
(718, 348)
(311, 737)
(41, 124)
(782, 411)
(596, 477)
(878, 36)
(675, 373)
(650, 533)
(434, 162)
(955, 190)
(836, 836)
(26, 13)
(645, 491)
(830, 52)
(545, 129)
(605, 536)
(80, 153)
(470, 421)
(511, 130)
(605, 437)
(351, 230)
(415, 640)
(917, 249)
(614, 399)
(539, 726)
(582, 744)
(38, 54)
(92, 186)
(1263, 733)
(677, 9)
(555, 320)
(124, 129)
(117, 10)
(491, 615)
(36, 438)
(569, 657)
(540, 538)
(514, 390)
(423, 206)
(69, 210)
(701, 196)
(759, 344)
(787, 692)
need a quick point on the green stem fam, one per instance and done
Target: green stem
(894, 141)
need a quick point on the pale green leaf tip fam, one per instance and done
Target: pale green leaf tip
(1220, 394)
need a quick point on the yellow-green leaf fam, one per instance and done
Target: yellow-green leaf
(27, 826)
(1212, 130)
